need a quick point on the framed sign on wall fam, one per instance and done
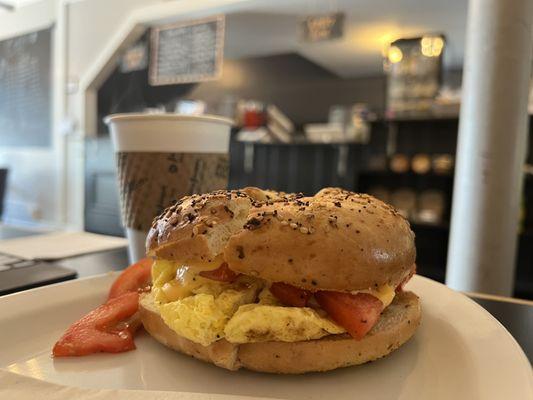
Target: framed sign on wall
(187, 52)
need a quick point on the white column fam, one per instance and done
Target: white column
(491, 147)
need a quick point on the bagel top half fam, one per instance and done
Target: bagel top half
(335, 240)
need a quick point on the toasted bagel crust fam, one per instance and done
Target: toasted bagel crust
(396, 326)
(196, 228)
(335, 240)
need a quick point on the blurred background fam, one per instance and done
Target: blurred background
(359, 94)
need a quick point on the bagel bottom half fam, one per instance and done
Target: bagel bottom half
(396, 326)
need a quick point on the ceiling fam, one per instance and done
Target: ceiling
(9, 5)
(271, 27)
(268, 27)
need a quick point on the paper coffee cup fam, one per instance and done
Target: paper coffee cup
(161, 158)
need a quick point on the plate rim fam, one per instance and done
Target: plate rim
(19, 298)
(479, 307)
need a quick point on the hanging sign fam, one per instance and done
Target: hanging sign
(318, 28)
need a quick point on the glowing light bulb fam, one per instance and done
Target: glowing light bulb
(425, 41)
(436, 52)
(395, 55)
(431, 46)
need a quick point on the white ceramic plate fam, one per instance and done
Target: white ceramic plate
(459, 352)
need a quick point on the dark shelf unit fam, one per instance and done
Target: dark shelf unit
(410, 136)
(296, 167)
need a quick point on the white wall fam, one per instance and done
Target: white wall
(95, 27)
(46, 185)
(29, 18)
(91, 24)
(32, 192)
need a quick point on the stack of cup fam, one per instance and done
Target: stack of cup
(161, 158)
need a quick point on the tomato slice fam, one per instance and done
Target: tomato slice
(221, 274)
(136, 276)
(400, 287)
(290, 295)
(102, 330)
(357, 313)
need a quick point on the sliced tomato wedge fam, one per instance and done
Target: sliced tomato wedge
(105, 329)
(221, 274)
(400, 287)
(290, 295)
(136, 276)
(357, 313)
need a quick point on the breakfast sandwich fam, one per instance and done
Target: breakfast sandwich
(281, 283)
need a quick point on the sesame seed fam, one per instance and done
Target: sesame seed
(293, 225)
(304, 230)
(284, 223)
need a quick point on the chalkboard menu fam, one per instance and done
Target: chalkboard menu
(187, 52)
(25, 90)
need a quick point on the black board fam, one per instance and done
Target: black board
(187, 52)
(25, 90)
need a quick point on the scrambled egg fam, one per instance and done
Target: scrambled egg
(195, 307)
(202, 317)
(204, 311)
(270, 321)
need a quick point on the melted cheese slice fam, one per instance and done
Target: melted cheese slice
(385, 293)
(172, 282)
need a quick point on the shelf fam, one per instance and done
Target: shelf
(301, 143)
(423, 118)
(428, 225)
(426, 118)
(411, 174)
(445, 226)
